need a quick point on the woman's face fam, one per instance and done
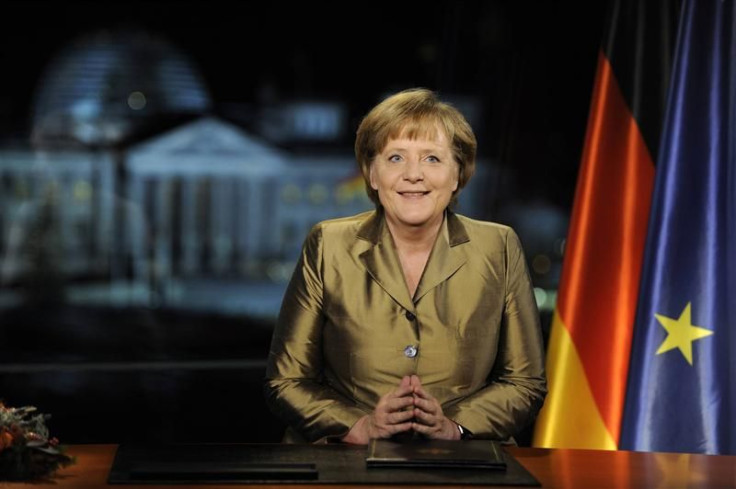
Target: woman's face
(415, 180)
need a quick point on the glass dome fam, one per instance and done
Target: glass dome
(105, 85)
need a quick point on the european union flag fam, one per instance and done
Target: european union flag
(681, 394)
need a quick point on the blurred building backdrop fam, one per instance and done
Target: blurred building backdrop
(161, 162)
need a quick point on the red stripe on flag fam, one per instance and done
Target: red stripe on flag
(600, 277)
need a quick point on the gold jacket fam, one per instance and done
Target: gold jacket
(348, 331)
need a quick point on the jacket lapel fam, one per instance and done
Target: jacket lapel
(446, 257)
(382, 262)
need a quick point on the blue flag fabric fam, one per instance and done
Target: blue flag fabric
(681, 394)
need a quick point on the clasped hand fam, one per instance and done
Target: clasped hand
(408, 407)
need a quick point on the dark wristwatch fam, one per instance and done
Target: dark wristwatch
(465, 434)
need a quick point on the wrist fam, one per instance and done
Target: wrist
(358, 434)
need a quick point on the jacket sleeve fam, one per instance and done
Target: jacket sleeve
(295, 388)
(516, 386)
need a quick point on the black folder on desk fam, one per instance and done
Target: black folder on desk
(475, 454)
(204, 464)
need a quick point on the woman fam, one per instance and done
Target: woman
(410, 318)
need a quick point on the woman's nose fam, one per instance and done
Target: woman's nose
(413, 170)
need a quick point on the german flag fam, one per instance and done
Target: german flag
(591, 334)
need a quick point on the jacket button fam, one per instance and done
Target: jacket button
(410, 316)
(410, 351)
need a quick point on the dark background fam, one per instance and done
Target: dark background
(531, 64)
(130, 375)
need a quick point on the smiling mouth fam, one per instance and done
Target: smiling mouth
(414, 194)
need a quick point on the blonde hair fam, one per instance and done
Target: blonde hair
(415, 113)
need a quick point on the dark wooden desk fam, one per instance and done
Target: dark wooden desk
(588, 469)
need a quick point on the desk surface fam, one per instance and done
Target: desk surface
(554, 468)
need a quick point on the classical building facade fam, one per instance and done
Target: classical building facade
(130, 190)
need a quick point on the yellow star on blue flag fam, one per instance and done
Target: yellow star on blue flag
(681, 333)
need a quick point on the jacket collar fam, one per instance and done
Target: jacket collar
(372, 228)
(383, 265)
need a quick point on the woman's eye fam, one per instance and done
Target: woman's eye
(394, 158)
(432, 159)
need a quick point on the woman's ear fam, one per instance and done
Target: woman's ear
(372, 177)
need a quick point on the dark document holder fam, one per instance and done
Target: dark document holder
(465, 454)
(202, 464)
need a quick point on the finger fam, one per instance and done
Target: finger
(381, 428)
(428, 405)
(401, 391)
(420, 392)
(424, 418)
(424, 429)
(386, 431)
(429, 410)
(399, 428)
(400, 417)
(398, 404)
(415, 382)
(390, 397)
(405, 381)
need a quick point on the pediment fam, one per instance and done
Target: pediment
(209, 136)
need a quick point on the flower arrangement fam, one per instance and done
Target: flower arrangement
(26, 451)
